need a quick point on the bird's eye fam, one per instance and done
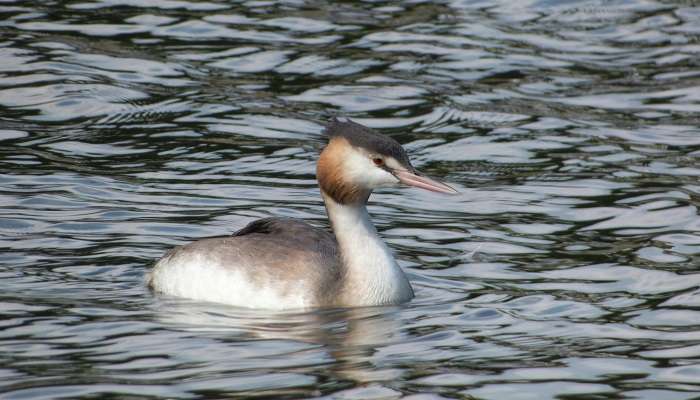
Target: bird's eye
(378, 161)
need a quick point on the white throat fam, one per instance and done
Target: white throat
(371, 275)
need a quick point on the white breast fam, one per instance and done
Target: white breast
(372, 276)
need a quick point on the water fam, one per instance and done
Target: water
(567, 267)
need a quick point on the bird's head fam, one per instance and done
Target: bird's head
(358, 160)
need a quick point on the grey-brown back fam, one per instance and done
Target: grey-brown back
(284, 253)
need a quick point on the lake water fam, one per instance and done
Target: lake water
(567, 267)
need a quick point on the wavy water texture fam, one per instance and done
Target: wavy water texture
(566, 267)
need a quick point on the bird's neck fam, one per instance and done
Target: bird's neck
(371, 276)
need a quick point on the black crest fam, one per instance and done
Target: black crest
(366, 138)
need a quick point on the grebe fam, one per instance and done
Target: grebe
(284, 263)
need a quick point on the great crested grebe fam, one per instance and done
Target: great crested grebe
(284, 263)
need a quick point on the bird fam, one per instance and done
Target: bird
(280, 263)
